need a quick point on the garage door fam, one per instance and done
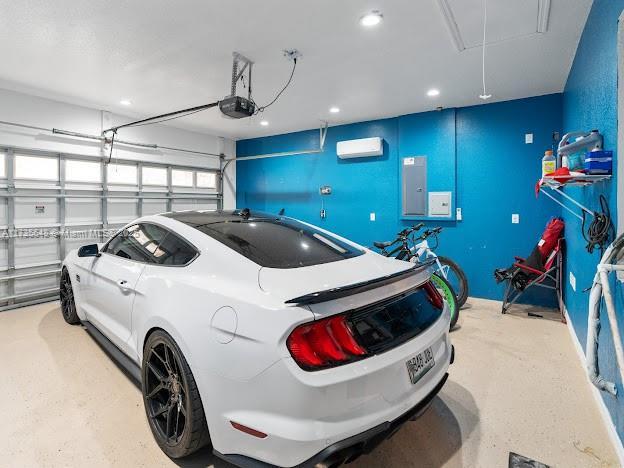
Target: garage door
(53, 203)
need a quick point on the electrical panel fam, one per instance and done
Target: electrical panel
(414, 186)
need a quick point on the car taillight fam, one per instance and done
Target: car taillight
(433, 295)
(325, 343)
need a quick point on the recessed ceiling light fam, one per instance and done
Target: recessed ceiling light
(334, 110)
(125, 102)
(371, 19)
(264, 123)
(433, 92)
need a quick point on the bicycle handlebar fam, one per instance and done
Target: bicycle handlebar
(405, 233)
(430, 232)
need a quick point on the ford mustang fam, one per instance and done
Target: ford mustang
(274, 341)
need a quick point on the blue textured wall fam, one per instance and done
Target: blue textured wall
(496, 172)
(590, 101)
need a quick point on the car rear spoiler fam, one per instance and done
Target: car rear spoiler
(343, 291)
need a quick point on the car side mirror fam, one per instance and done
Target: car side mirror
(90, 250)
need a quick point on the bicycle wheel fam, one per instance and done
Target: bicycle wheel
(457, 279)
(446, 290)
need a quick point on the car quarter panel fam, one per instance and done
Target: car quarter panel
(185, 302)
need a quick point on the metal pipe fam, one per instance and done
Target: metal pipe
(101, 138)
(206, 196)
(59, 131)
(30, 127)
(279, 155)
(593, 333)
(321, 148)
(613, 321)
(601, 288)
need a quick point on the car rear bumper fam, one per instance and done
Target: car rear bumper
(349, 449)
(304, 413)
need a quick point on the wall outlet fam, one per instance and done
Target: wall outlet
(515, 218)
(528, 138)
(458, 214)
(323, 214)
(372, 216)
(573, 281)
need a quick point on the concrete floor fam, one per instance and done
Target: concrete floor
(516, 385)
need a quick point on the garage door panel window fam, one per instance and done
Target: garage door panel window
(156, 176)
(36, 167)
(82, 171)
(206, 180)
(180, 178)
(3, 171)
(122, 174)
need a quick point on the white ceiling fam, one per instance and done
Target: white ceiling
(165, 55)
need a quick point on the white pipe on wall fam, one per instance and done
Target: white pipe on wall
(601, 288)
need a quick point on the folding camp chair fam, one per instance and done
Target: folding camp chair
(523, 276)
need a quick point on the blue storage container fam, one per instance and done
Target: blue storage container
(599, 162)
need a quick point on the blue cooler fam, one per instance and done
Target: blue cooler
(599, 162)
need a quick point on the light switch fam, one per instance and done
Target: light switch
(458, 214)
(573, 281)
(528, 138)
(372, 216)
(515, 218)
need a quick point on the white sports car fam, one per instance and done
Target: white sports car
(275, 341)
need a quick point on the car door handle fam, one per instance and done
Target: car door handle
(123, 285)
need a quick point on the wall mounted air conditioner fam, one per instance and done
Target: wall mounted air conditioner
(362, 148)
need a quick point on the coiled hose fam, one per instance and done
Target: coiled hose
(600, 229)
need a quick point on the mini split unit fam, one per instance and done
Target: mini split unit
(362, 148)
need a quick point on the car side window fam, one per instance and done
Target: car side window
(138, 242)
(175, 251)
(149, 243)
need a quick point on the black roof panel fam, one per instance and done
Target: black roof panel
(268, 240)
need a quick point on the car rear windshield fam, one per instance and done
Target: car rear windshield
(279, 242)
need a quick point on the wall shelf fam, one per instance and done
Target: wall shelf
(556, 185)
(582, 180)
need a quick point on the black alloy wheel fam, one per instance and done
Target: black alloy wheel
(165, 393)
(171, 398)
(68, 305)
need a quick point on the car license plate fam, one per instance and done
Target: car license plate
(420, 364)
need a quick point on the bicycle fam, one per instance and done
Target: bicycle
(447, 267)
(447, 273)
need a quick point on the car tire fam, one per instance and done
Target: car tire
(172, 403)
(68, 304)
